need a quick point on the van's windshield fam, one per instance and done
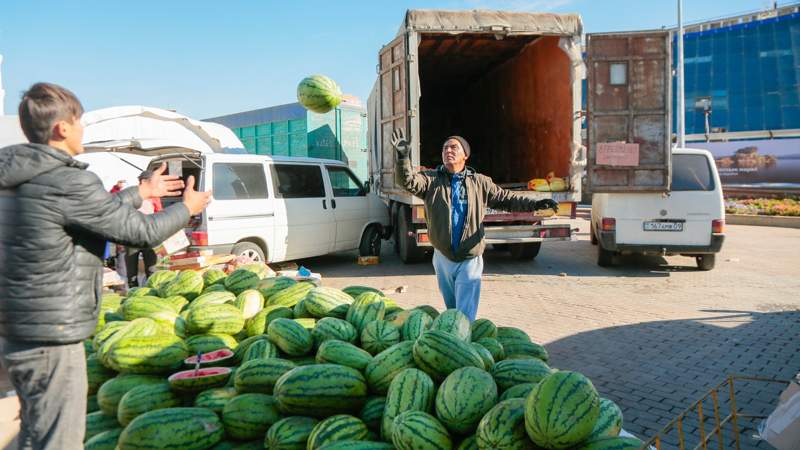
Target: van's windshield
(691, 173)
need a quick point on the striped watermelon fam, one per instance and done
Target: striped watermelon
(319, 94)
(149, 354)
(223, 319)
(290, 337)
(396, 315)
(142, 399)
(613, 443)
(214, 276)
(343, 353)
(307, 323)
(454, 322)
(336, 428)
(249, 416)
(141, 327)
(98, 422)
(419, 430)
(249, 302)
(258, 324)
(507, 334)
(213, 298)
(91, 404)
(187, 283)
(260, 375)
(289, 433)
(609, 421)
(321, 390)
(355, 291)
(440, 353)
(97, 373)
(464, 397)
(183, 428)
(111, 392)
(178, 302)
(522, 350)
(106, 333)
(367, 307)
(142, 291)
(207, 343)
(387, 364)
(495, 348)
(486, 355)
(299, 310)
(333, 328)
(289, 296)
(107, 440)
(160, 277)
(271, 286)
(260, 350)
(320, 301)
(518, 391)
(241, 280)
(305, 360)
(196, 380)
(215, 399)
(357, 445)
(219, 287)
(417, 323)
(483, 328)
(469, 443)
(503, 427)
(511, 372)
(562, 410)
(429, 310)
(245, 343)
(378, 336)
(411, 390)
(145, 306)
(372, 412)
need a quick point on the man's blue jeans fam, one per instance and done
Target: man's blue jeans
(459, 282)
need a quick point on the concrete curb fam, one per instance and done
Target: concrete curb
(763, 221)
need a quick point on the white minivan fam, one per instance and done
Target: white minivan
(276, 209)
(688, 220)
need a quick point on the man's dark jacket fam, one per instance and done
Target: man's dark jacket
(55, 217)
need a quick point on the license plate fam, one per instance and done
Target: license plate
(663, 226)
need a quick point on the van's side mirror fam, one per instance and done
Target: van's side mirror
(365, 189)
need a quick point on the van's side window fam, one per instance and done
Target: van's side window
(297, 181)
(239, 181)
(344, 183)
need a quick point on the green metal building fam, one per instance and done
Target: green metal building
(292, 130)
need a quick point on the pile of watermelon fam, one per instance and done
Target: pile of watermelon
(249, 360)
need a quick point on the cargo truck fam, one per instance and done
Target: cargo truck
(510, 83)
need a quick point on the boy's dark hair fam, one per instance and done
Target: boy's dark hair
(42, 106)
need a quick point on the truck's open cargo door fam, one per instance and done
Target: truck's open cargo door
(629, 122)
(393, 104)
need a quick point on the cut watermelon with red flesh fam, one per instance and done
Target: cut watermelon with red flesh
(219, 357)
(196, 380)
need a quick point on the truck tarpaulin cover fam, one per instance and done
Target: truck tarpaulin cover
(542, 24)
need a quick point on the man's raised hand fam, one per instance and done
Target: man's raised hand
(195, 201)
(160, 185)
(400, 143)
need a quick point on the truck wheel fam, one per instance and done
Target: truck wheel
(706, 262)
(605, 258)
(370, 242)
(593, 237)
(250, 250)
(525, 251)
(409, 251)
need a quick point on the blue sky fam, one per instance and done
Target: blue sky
(207, 58)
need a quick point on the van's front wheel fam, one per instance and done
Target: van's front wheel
(250, 250)
(370, 242)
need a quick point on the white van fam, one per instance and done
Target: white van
(276, 209)
(689, 220)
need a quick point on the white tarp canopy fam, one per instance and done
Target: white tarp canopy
(153, 131)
